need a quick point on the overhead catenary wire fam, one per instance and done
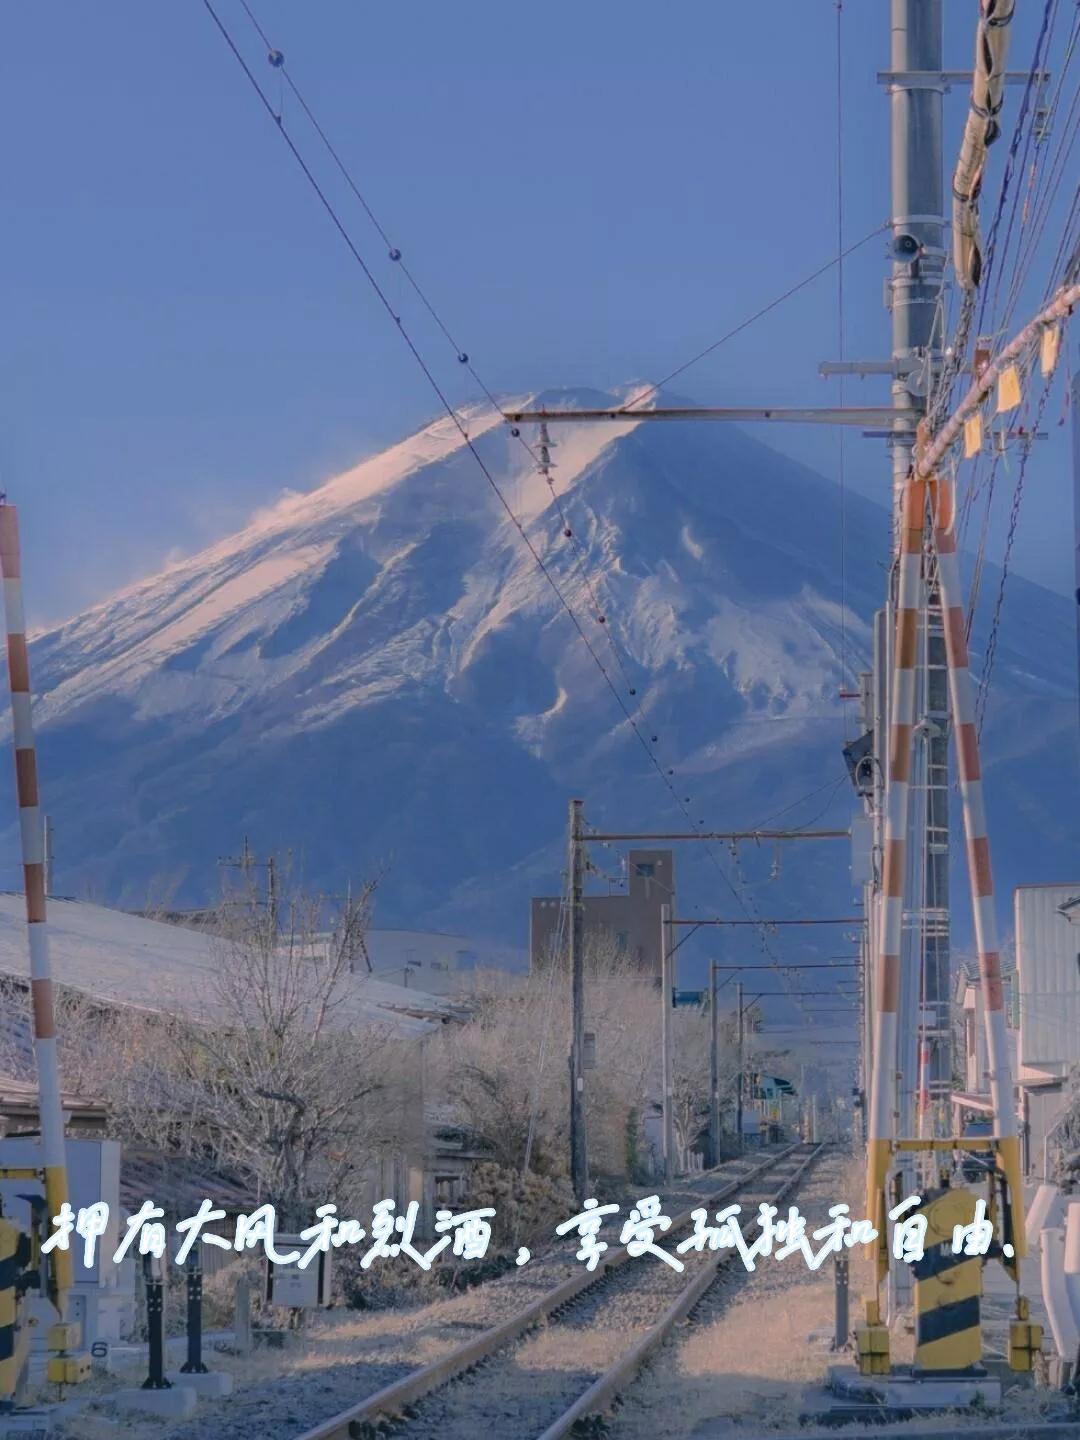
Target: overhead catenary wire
(1026, 204)
(1043, 188)
(277, 60)
(394, 253)
(543, 461)
(1023, 133)
(427, 372)
(1014, 515)
(980, 131)
(456, 420)
(1059, 307)
(1044, 178)
(972, 295)
(840, 331)
(758, 314)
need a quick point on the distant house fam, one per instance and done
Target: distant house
(19, 1109)
(129, 960)
(630, 920)
(1042, 1008)
(123, 961)
(432, 960)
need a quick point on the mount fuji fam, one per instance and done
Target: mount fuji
(377, 676)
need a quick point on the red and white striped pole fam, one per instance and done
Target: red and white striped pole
(924, 1088)
(897, 807)
(32, 834)
(980, 875)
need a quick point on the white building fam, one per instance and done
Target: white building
(434, 960)
(1047, 921)
(128, 960)
(420, 959)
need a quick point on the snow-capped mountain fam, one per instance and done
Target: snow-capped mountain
(377, 674)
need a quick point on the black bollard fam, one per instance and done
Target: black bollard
(193, 1365)
(842, 1323)
(154, 1281)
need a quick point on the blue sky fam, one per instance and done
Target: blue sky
(591, 193)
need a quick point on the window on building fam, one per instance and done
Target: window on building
(645, 868)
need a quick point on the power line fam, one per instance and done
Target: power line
(957, 351)
(277, 60)
(429, 376)
(840, 331)
(542, 461)
(1041, 183)
(750, 319)
(1021, 131)
(1014, 516)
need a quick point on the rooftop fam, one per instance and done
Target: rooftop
(128, 960)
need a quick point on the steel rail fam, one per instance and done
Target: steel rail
(394, 1398)
(597, 1397)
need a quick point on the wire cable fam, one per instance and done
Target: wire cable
(277, 59)
(651, 390)
(1022, 131)
(455, 419)
(840, 330)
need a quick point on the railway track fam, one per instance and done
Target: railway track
(477, 1388)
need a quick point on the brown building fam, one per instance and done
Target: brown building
(630, 918)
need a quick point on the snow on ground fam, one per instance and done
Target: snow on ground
(344, 1356)
(739, 1369)
(742, 1366)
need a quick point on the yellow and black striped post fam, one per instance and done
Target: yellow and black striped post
(948, 1290)
(14, 1258)
(9, 1242)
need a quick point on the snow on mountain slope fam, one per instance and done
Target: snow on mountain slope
(376, 673)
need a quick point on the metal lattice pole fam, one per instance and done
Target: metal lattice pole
(32, 837)
(897, 808)
(980, 874)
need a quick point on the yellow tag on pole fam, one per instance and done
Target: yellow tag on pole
(1008, 396)
(1049, 346)
(972, 435)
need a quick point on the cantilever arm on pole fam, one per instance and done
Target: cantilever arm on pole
(870, 416)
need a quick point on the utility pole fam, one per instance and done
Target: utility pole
(579, 1155)
(739, 1062)
(714, 1071)
(1076, 494)
(667, 988)
(916, 88)
(272, 895)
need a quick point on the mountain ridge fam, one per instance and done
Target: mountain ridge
(377, 670)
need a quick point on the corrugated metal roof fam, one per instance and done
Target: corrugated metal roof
(1048, 961)
(125, 959)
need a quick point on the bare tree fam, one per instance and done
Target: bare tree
(274, 1070)
(507, 1069)
(292, 1084)
(692, 1074)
